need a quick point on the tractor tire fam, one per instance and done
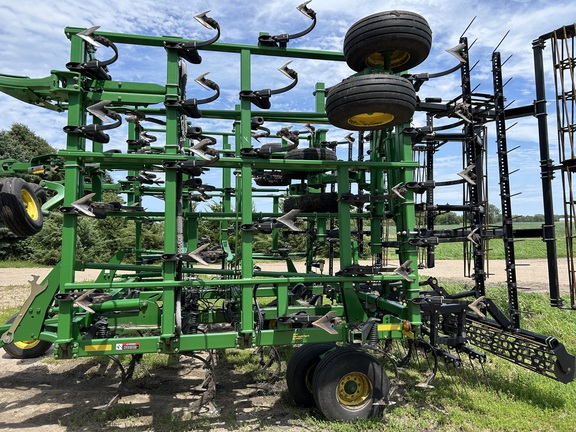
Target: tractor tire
(26, 349)
(300, 371)
(308, 154)
(348, 383)
(19, 208)
(371, 102)
(313, 203)
(406, 34)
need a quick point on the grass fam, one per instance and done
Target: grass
(20, 264)
(6, 312)
(530, 248)
(504, 397)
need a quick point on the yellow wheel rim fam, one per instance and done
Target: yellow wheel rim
(371, 119)
(27, 344)
(309, 377)
(30, 204)
(354, 390)
(397, 59)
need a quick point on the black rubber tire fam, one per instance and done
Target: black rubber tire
(347, 383)
(210, 258)
(308, 153)
(371, 102)
(313, 203)
(406, 34)
(290, 204)
(40, 193)
(300, 371)
(270, 148)
(272, 178)
(26, 349)
(19, 208)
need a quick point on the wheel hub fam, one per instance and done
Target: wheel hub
(354, 390)
(31, 207)
(397, 59)
(371, 119)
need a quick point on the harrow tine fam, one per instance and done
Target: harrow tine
(400, 350)
(455, 362)
(427, 348)
(395, 382)
(126, 375)
(474, 356)
(273, 357)
(474, 371)
(208, 386)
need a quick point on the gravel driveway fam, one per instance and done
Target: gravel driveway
(531, 274)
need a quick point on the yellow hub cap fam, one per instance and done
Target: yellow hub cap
(397, 59)
(27, 344)
(354, 390)
(30, 204)
(371, 119)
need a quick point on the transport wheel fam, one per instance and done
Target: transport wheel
(270, 148)
(20, 208)
(313, 203)
(27, 348)
(40, 193)
(370, 102)
(406, 35)
(308, 154)
(348, 383)
(290, 204)
(271, 178)
(210, 259)
(300, 371)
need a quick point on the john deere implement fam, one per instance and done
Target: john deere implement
(365, 194)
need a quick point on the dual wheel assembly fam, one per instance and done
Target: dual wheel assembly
(378, 47)
(344, 383)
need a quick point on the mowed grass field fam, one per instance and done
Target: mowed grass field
(524, 248)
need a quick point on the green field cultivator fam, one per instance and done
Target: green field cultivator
(328, 204)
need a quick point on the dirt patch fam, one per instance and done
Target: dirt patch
(55, 396)
(49, 395)
(61, 396)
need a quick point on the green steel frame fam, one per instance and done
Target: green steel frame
(143, 307)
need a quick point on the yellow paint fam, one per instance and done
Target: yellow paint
(107, 347)
(389, 327)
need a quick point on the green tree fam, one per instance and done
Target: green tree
(22, 144)
(449, 218)
(494, 214)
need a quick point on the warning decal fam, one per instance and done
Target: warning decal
(127, 346)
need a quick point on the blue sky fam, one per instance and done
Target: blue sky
(33, 43)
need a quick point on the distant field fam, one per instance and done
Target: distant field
(523, 248)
